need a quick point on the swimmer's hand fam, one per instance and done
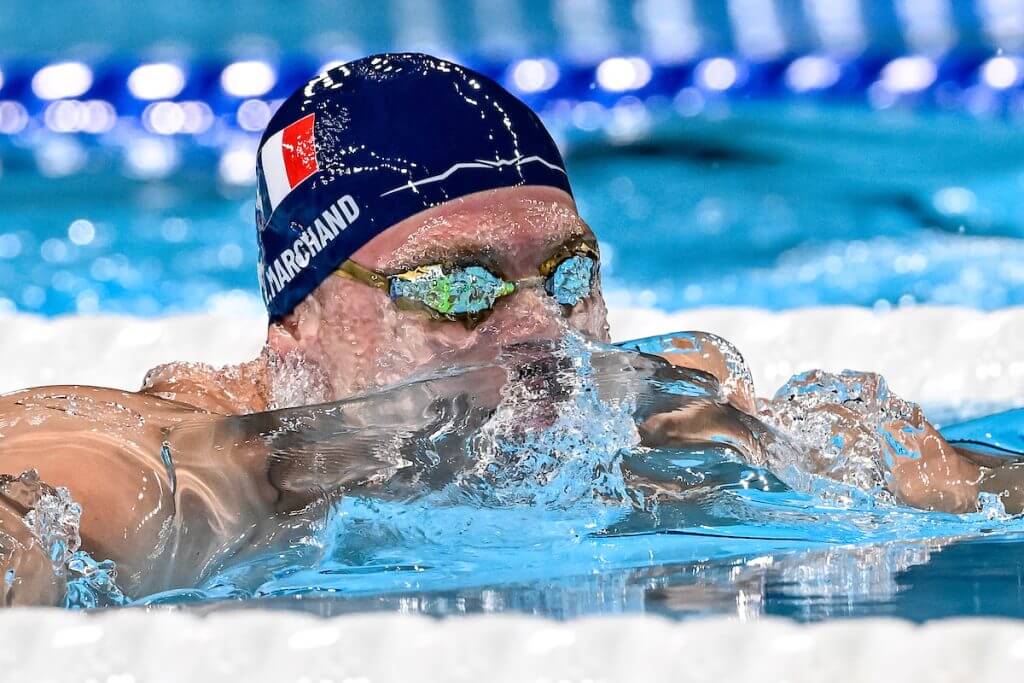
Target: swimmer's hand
(706, 352)
(926, 471)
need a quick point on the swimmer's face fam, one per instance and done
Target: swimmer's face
(359, 338)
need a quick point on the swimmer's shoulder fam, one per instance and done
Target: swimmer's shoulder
(231, 390)
(79, 399)
(67, 409)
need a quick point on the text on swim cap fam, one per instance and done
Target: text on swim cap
(310, 242)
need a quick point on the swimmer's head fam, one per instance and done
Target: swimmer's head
(395, 163)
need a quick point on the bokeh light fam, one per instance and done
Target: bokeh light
(251, 78)
(812, 72)
(156, 81)
(63, 79)
(534, 75)
(619, 74)
(908, 74)
(717, 74)
(1001, 72)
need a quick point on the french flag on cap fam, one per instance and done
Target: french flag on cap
(288, 157)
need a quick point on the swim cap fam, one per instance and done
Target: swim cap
(372, 142)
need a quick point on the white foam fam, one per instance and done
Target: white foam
(116, 351)
(48, 645)
(933, 355)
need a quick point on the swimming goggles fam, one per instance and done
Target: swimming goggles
(468, 294)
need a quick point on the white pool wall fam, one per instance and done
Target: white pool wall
(256, 646)
(932, 355)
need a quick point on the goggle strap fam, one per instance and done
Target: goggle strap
(578, 248)
(365, 275)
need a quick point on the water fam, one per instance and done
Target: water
(762, 204)
(529, 486)
(775, 207)
(788, 205)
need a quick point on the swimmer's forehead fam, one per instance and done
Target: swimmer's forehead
(510, 234)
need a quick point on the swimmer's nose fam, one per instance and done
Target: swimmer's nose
(528, 314)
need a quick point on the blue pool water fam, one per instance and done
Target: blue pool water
(777, 205)
(764, 204)
(571, 519)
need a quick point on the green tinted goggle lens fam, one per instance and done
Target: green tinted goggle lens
(461, 291)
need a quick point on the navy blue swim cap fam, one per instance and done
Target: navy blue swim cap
(370, 143)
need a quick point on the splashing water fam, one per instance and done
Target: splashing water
(294, 382)
(92, 584)
(844, 425)
(55, 520)
(527, 485)
(556, 452)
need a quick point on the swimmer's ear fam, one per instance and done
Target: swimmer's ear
(296, 330)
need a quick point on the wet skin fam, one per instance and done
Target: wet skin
(346, 338)
(105, 447)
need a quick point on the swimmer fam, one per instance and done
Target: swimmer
(411, 215)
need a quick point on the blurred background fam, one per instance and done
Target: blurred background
(771, 153)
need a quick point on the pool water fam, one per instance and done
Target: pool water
(470, 513)
(765, 204)
(768, 204)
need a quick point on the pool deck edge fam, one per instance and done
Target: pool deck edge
(257, 645)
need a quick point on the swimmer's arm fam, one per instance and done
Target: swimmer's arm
(937, 478)
(948, 478)
(27, 577)
(1007, 482)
